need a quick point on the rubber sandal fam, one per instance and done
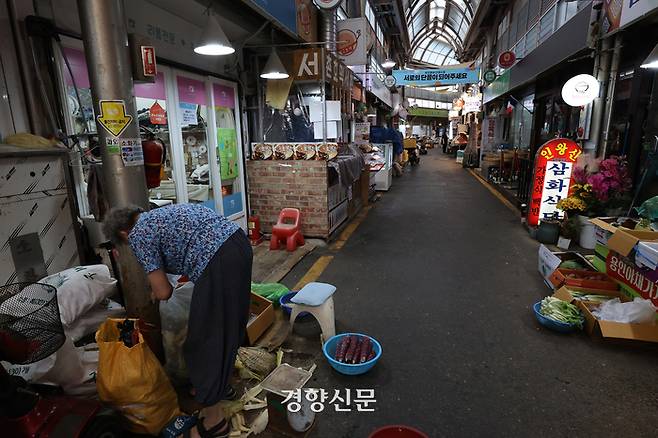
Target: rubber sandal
(230, 394)
(215, 431)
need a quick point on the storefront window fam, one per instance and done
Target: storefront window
(522, 123)
(151, 105)
(228, 156)
(193, 116)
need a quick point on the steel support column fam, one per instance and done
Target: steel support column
(106, 49)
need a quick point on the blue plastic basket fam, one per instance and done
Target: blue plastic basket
(552, 324)
(284, 302)
(329, 350)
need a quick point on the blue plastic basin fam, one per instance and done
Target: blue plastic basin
(284, 302)
(329, 350)
(552, 324)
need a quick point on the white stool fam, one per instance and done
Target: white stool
(316, 299)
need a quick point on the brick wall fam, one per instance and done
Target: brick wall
(274, 185)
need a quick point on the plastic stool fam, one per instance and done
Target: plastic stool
(290, 232)
(316, 299)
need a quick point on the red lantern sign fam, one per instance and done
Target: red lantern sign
(506, 59)
(157, 114)
(552, 178)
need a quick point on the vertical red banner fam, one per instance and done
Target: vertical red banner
(552, 180)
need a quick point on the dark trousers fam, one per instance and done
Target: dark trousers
(218, 319)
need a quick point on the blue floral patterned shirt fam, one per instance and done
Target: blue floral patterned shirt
(180, 239)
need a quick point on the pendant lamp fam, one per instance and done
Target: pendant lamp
(274, 68)
(213, 41)
(652, 59)
(388, 63)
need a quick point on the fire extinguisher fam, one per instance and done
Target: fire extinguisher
(253, 225)
(155, 154)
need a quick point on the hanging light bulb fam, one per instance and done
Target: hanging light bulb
(213, 41)
(388, 63)
(274, 68)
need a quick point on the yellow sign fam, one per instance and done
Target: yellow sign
(113, 116)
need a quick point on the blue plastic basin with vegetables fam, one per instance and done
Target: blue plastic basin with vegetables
(352, 353)
(558, 315)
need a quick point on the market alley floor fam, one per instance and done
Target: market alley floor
(444, 276)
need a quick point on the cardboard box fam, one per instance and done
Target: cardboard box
(565, 293)
(582, 279)
(634, 281)
(624, 241)
(549, 261)
(263, 310)
(616, 330)
(609, 329)
(605, 227)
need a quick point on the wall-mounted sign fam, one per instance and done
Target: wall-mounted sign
(428, 112)
(307, 19)
(307, 64)
(552, 178)
(389, 81)
(437, 77)
(506, 59)
(351, 41)
(490, 76)
(113, 117)
(362, 133)
(473, 104)
(580, 90)
(631, 10)
(149, 67)
(327, 4)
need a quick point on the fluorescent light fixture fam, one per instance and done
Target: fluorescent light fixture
(652, 59)
(213, 40)
(274, 68)
(371, 115)
(580, 90)
(388, 63)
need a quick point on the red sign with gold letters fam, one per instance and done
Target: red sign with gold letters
(552, 178)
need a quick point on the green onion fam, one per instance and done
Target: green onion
(561, 311)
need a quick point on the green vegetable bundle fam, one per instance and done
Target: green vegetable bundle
(561, 311)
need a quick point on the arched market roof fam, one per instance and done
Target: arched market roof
(437, 28)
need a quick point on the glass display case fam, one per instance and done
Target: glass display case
(382, 158)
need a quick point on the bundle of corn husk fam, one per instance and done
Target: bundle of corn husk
(248, 402)
(255, 363)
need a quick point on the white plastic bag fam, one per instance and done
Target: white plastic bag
(174, 314)
(74, 369)
(80, 289)
(88, 323)
(638, 311)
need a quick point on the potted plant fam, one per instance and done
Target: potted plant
(602, 192)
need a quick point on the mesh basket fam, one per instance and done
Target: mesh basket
(30, 326)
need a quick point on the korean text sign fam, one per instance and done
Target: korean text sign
(445, 76)
(552, 178)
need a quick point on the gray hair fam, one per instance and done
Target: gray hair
(120, 219)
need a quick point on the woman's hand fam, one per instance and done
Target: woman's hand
(161, 289)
